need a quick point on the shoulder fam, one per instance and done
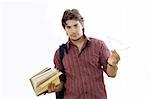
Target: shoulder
(56, 54)
(96, 41)
(61, 49)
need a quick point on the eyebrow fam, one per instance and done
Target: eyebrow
(73, 25)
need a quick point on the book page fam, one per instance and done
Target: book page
(42, 71)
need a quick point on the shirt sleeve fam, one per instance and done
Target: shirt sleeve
(57, 60)
(104, 55)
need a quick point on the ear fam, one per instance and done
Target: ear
(82, 24)
(66, 33)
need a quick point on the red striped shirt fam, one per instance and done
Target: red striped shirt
(84, 69)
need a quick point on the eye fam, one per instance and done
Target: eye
(68, 27)
(76, 25)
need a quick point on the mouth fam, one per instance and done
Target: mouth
(74, 34)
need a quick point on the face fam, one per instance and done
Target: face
(74, 29)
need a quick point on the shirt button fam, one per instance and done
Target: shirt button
(86, 92)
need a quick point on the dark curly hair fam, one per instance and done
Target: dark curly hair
(72, 15)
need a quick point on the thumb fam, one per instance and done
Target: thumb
(113, 51)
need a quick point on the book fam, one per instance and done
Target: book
(42, 79)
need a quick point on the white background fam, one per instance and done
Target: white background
(31, 31)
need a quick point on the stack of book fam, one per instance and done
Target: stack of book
(42, 79)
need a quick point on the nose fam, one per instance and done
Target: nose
(73, 30)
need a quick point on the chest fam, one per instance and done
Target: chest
(86, 60)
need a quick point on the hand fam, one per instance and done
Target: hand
(114, 58)
(53, 88)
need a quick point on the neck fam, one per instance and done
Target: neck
(78, 41)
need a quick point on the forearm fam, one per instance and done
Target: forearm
(112, 70)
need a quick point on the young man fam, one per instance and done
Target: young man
(85, 62)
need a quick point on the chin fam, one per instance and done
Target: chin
(75, 39)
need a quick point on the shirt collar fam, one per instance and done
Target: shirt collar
(86, 43)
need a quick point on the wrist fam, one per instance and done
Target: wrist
(110, 64)
(113, 66)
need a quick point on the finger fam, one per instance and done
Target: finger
(49, 88)
(115, 54)
(52, 87)
(114, 51)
